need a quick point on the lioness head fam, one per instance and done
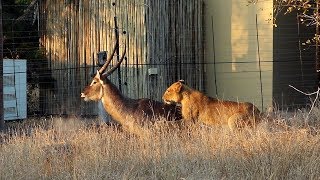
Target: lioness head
(174, 93)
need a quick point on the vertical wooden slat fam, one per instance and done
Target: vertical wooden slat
(162, 34)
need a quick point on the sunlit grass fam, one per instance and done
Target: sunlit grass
(286, 148)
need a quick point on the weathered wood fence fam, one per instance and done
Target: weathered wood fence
(162, 34)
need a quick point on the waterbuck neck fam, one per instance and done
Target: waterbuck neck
(113, 101)
(117, 106)
(121, 108)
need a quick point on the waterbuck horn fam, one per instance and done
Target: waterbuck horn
(110, 71)
(106, 64)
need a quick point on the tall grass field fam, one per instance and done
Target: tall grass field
(286, 147)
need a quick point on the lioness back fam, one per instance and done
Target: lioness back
(217, 112)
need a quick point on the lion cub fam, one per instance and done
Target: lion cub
(198, 107)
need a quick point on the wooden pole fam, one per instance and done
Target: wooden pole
(1, 71)
(116, 30)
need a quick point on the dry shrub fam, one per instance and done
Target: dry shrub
(69, 149)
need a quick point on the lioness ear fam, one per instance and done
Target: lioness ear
(179, 86)
(182, 81)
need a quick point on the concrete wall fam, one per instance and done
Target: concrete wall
(231, 49)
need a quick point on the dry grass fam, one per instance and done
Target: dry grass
(68, 149)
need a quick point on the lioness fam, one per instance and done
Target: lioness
(198, 107)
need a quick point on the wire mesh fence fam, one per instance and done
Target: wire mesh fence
(165, 42)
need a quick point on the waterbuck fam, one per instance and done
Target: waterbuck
(131, 114)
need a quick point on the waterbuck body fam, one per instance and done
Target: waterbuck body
(122, 108)
(132, 114)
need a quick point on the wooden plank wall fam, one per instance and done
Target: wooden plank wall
(160, 34)
(175, 43)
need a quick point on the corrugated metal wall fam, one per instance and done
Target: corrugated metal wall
(166, 35)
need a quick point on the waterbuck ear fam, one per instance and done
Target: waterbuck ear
(98, 74)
